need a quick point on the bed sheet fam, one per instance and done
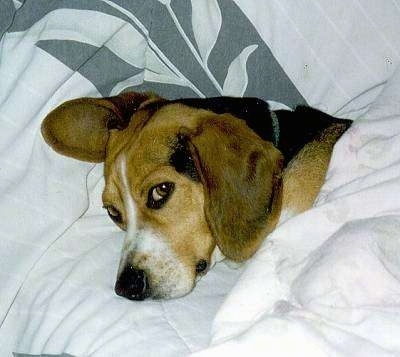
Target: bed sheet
(325, 282)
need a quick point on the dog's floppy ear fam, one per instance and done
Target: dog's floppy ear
(80, 127)
(241, 175)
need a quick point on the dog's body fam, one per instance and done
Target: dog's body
(190, 178)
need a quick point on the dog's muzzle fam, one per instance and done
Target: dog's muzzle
(132, 284)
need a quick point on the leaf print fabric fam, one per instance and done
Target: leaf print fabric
(176, 51)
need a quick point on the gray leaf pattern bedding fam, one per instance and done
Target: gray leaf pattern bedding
(200, 49)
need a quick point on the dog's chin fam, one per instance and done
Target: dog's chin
(167, 286)
(170, 293)
(156, 294)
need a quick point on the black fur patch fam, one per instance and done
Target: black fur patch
(181, 158)
(300, 126)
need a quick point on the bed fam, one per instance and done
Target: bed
(324, 283)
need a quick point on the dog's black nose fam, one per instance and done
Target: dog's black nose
(132, 284)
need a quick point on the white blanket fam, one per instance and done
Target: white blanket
(325, 283)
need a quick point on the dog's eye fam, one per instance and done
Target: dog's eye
(159, 194)
(114, 214)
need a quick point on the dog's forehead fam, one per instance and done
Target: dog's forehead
(152, 138)
(175, 115)
(149, 146)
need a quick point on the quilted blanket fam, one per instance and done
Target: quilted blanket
(324, 283)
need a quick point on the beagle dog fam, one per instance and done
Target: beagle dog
(193, 181)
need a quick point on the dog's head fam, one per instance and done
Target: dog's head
(183, 182)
